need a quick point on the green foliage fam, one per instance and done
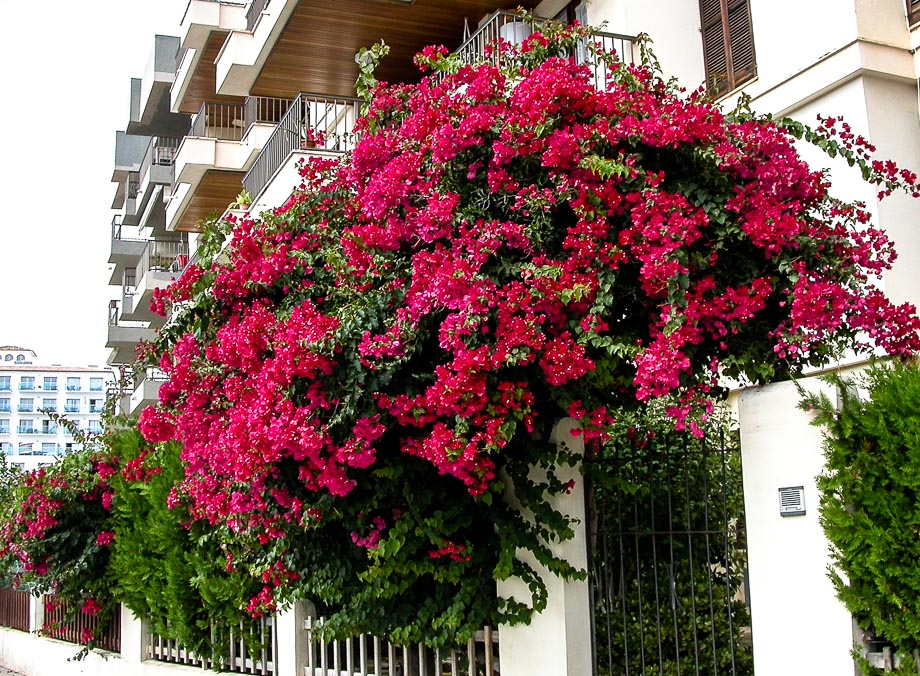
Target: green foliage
(869, 497)
(669, 552)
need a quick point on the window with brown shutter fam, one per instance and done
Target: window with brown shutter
(728, 44)
(913, 12)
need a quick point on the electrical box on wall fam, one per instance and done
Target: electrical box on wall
(792, 501)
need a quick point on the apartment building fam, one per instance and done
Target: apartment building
(228, 105)
(29, 390)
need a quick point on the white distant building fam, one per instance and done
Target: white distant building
(29, 389)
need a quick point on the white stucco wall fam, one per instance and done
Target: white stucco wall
(798, 625)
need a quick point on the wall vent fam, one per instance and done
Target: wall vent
(792, 501)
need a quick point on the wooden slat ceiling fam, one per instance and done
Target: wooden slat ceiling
(315, 53)
(204, 80)
(216, 190)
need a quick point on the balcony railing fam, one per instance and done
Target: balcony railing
(22, 429)
(71, 409)
(5, 408)
(265, 109)
(160, 152)
(511, 28)
(27, 386)
(219, 120)
(5, 387)
(254, 12)
(163, 255)
(25, 408)
(313, 121)
(5, 429)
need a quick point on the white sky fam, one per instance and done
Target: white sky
(66, 71)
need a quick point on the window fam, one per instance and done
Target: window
(4, 405)
(49, 405)
(728, 44)
(95, 405)
(50, 384)
(73, 384)
(94, 426)
(9, 357)
(27, 383)
(5, 384)
(20, 358)
(26, 427)
(49, 448)
(72, 406)
(6, 448)
(48, 427)
(26, 405)
(913, 12)
(25, 449)
(95, 384)
(4, 426)
(70, 447)
(576, 10)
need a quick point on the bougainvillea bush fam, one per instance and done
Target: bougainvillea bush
(363, 375)
(869, 507)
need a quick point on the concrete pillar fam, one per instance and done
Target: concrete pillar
(135, 634)
(796, 618)
(292, 638)
(557, 642)
(36, 613)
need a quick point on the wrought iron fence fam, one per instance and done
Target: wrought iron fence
(367, 655)
(76, 630)
(669, 563)
(132, 186)
(219, 120)
(237, 657)
(14, 609)
(312, 121)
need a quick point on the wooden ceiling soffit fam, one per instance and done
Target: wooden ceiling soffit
(315, 52)
(216, 190)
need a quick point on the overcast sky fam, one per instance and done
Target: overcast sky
(66, 75)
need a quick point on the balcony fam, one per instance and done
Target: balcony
(71, 409)
(123, 336)
(26, 386)
(26, 429)
(508, 26)
(146, 392)
(5, 387)
(330, 120)
(204, 29)
(151, 113)
(224, 142)
(5, 408)
(160, 264)
(129, 153)
(25, 408)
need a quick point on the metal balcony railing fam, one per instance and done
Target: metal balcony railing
(254, 12)
(313, 121)
(160, 152)
(510, 27)
(219, 120)
(165, 255)
(267, 109)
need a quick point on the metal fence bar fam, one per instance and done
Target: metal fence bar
(58, 626)
(254, 12)
(14, 609)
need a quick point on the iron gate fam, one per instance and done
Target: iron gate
(668, 557)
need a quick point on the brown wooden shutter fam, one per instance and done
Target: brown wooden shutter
(913, 12)
(728, 44)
